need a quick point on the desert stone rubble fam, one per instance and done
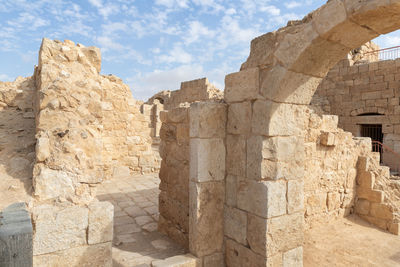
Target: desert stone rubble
(242, 175)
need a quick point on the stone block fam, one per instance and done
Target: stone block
(275, 158)
(177, 115)
(59, 228)
(206, 217)
(271, 236)
(101, 217)
(381, 211)
(207, 120)
(239, 118)
(293, 257)
(15, 236)
(238, 255)
(375, 196)
(362, 207)
(284, 86)
(263, 198)
(42, 149)
(50, 183)
(207, 160)
(330, 123)
(241, 86)
(231, 190)
(214, 260)
(366, 179)
(85, 256)
(235, 224)
(394, 228)
(295, 196)
(236, 155)
(327, 139)
(277, 119)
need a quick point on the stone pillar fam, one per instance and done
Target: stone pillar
(174, 175)
(263, 217)
(16, 236)
(207, 181)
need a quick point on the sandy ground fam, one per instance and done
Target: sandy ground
(350, 242)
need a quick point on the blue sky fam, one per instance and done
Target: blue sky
(152, 45)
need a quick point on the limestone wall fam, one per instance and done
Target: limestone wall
(331, 156)
(371, 88)
(126, 135)
(70, 228)
(190, 91)
(174, 175)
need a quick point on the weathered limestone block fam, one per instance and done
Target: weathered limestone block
(263, 198)
(381, 211)
(59, 228)
(329, 123)
(239, 118)
(214, 260)
(50, 183)
(375, 196)
(42, 149)
(241, 86)
(238, 255)
(236, 155)
(85, 256)
(362, 207)
(295, 196)
(366, 179)
(207, 160)
(231, 190)
(235, 224)
(101, 216)
(273, 119)
(277, 235)
(15, 236)
(206, 218)
(327, 139)
(187, 260)
(293, 257)
(207, 120)
(282, 85)
(274, 158)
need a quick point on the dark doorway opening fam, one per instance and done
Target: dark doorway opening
(374, 131)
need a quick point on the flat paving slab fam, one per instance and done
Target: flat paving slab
(136, 239)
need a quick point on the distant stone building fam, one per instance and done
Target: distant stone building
(364, 92)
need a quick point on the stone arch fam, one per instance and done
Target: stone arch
(368, 111)
(267, 118)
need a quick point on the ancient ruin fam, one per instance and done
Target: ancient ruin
(253, 176)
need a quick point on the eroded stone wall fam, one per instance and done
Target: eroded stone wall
(174, 175)
(127, 141)
(331, 157)
(190, 91)
(17, 140)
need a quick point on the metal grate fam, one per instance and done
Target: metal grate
(374, 131)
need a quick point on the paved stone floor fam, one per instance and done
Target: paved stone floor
(136, 239)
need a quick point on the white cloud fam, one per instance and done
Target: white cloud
(173, 3)
(145, 85)
(196, 31)
(272, 10)
(105, 9)
(292, 4)
(177, 55)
